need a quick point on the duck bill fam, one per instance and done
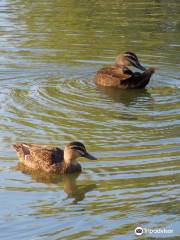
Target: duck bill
(89, 156)
(139, 66)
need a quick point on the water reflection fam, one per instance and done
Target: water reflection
(69, 182)
(128, 96)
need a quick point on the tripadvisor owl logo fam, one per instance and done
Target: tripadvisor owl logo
(138, 231)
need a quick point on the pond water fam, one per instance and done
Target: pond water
(49, 54)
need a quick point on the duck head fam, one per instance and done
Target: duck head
(129, 58)
(74, 150)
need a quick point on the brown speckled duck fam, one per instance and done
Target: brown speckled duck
(120, 76)
(52, 159)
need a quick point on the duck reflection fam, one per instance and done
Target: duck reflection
(126, 97)
(77, 192)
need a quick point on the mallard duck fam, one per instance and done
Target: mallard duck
(52, 159)
(120, 76)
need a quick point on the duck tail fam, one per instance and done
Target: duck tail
(145, 78)
(16, 147)
(21, 151)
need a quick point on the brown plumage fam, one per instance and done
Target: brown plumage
(52, 159)
(120, 76)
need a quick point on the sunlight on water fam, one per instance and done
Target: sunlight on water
(50, 51)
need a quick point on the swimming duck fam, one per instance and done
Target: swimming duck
(52, 159)
(120, 76)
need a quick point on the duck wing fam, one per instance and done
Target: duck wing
(39, 153)
(111, 76)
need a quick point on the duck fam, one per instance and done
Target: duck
(119, 75)
(51, 159)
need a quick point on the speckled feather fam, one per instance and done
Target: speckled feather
(44, 157)
(114, 77)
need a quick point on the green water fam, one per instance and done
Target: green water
(49, 53)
